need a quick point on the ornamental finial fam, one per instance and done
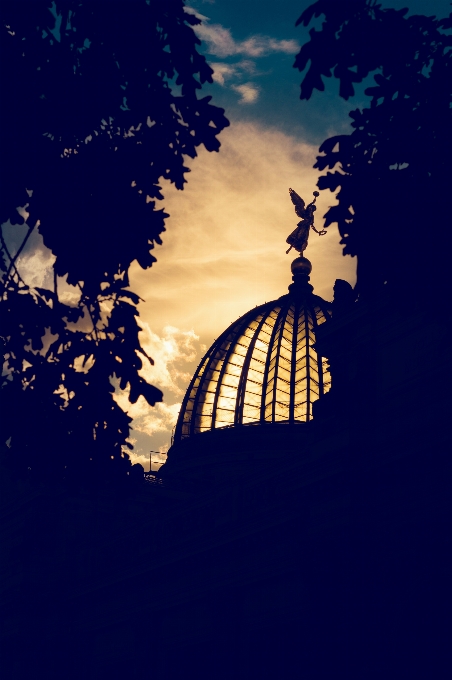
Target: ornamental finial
(298, 239)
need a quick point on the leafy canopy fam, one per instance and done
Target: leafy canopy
(101, 104)
(392, 170)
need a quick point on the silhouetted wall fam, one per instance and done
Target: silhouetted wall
(329, 560)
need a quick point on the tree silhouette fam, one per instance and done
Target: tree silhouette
(100, 103)
(392, 170)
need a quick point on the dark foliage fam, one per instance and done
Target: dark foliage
(99, 103)
(392, 170)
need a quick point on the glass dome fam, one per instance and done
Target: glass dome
(263, 369)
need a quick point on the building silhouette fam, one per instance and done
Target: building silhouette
(300, 527)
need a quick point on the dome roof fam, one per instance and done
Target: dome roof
(264, 368)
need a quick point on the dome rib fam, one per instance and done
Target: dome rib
(244, 375)
(319, 358)
(277, 357)
(226, 360)
(263, 369)
(277, 325)
(308, 366)
(293, 366)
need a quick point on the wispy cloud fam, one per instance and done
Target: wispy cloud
(192, 10)
(221, 43)
(249, 92)
(223, 71)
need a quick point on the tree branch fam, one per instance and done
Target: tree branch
(96, 335)
(12, 264)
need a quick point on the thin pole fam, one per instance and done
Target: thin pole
(150, 458)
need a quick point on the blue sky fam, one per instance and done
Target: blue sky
(277, 83)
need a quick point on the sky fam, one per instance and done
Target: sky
(224, 249)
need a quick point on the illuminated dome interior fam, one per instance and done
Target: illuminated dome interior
(263, 369)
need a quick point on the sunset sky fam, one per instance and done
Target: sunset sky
(224, 249)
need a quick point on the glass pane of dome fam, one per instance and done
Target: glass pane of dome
(264, 368)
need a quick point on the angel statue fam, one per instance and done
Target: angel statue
(298, 239)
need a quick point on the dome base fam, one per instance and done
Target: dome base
(226, 452)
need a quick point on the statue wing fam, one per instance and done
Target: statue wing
(298, 203)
